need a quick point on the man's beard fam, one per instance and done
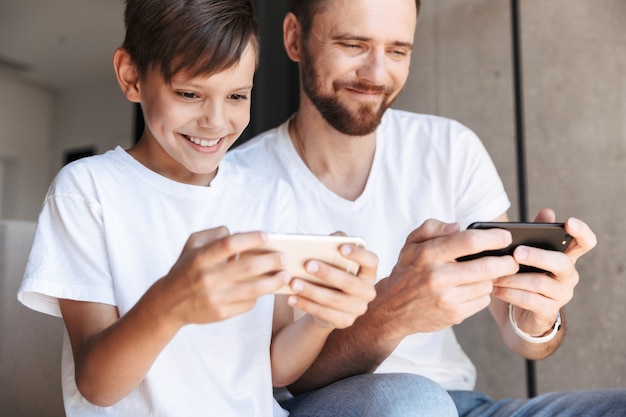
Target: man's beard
(360, 123)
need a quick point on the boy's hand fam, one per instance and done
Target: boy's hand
(340, 306)
(210, 283)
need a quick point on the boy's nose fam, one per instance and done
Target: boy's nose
(212, 117)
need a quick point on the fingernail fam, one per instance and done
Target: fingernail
(573, 223)
(291, 300)
(521, 253)
(297, 286)
(312, 266)
(345, 249)
(283, 259)
(286, 276)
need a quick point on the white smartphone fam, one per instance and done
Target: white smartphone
(300, 248)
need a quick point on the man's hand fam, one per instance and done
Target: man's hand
(428, 290)
(538, 297)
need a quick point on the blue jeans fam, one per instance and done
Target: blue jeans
(408, 395)
(592, 403)
(375, 395)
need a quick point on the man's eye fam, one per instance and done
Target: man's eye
(399, 52)
(238, 97)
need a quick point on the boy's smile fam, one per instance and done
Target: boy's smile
(203, 142)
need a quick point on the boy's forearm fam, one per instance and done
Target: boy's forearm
(355, 350)
(295, 348)
(113, 362)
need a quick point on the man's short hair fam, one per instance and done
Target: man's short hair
(305, 10)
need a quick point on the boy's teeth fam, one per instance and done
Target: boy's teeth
(203, 142)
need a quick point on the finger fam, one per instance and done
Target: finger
(341, 280)
(243, 291)
(545, 215)
(220, 306)
(366, 259)
(451, 247)
(556, 263)
(510, 288)
(228, 247)
(253, 265)
(487, 268)
(431, 229)
(584, 238)
(326, 304)
(473, 241)
(205, 237)
(322, 314)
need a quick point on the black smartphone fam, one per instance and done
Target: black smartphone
(550, 236)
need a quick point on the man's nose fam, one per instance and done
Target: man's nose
(374, 67)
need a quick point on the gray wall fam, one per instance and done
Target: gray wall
(574, 72)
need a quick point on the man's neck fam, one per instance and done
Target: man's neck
(341, 162)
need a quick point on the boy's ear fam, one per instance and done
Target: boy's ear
(292, 37)
(127, 75)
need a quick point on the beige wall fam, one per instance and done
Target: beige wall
(37, 127)
(25, 144)
(574, 56)
(95, 115)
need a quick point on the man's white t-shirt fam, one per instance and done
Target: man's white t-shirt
(109, 228)
(424, 167)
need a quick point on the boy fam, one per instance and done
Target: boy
(148, 338)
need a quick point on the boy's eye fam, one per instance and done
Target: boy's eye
(187, 94)
(238, 97)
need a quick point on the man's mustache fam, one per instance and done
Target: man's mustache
(363, 87)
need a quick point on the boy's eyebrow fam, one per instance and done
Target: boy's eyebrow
(183, 84)
(351, 37)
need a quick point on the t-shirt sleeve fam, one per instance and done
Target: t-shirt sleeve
(68, 258)
(480, 194)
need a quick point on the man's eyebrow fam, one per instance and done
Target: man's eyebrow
(351, 37)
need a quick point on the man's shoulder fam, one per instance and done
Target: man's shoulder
(405, 117)
(263, 149)
(420, 124)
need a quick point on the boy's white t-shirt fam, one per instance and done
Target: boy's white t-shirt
(109, 228)
(424, 167)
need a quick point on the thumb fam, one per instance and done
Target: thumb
(545, 215)
(205, 237)
(431, 229)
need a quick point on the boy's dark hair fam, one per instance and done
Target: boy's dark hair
(305, 10)
(199, 37)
